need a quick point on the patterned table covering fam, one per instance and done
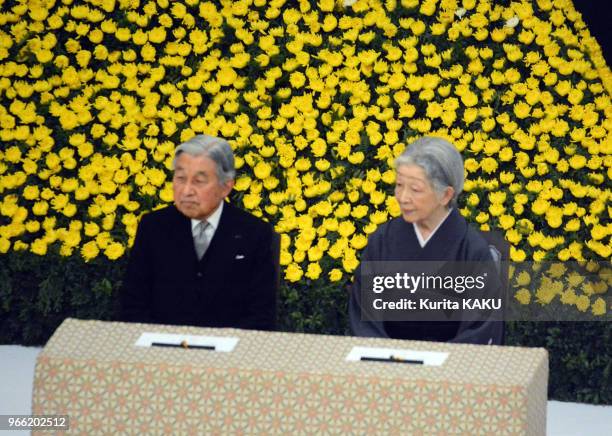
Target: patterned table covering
(282, 383)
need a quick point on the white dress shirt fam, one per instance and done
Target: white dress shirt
(213, 221)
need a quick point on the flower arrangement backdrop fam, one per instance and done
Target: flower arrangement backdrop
(317, 98)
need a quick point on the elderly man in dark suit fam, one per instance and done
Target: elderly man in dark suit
(202, 261)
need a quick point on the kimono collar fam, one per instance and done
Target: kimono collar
(423, 241)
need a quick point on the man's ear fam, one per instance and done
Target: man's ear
(227, 187)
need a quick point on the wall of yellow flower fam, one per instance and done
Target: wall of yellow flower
(317, 98)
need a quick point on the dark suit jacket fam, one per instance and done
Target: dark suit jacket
(454, 241)
(233, 285)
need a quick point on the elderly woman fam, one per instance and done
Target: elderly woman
(429, 178)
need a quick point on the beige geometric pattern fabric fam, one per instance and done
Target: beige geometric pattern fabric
(283, 383)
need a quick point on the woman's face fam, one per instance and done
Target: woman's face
(418, 200)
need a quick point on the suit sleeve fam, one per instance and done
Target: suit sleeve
(261, 295)
(136, 292)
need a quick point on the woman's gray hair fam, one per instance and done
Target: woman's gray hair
(442, 163)
(217, 149)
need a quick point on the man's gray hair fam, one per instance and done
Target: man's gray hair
(442, 163)
(217, 149)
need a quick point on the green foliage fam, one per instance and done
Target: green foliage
(37, 294)
(311, 309)
(579, 357)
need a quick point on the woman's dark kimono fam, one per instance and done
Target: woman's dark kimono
(453, 241)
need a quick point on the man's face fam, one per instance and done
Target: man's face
(197, 191)
(418, 200)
